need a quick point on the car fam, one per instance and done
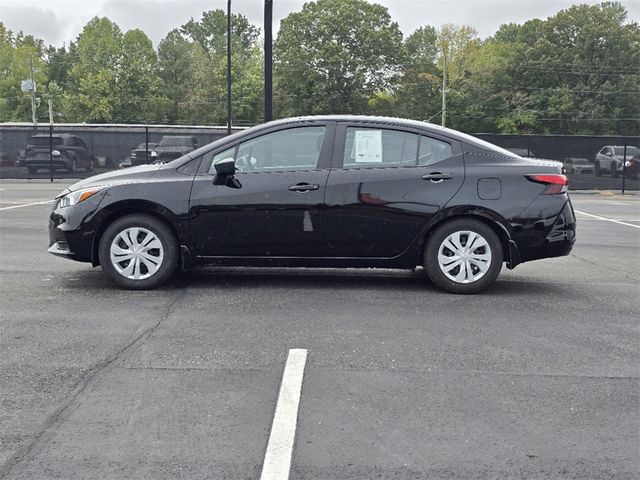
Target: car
(140, 155)
(322, 191)
(633, 168)
(69, 152)
(171, 147)
(610, 159)
(577, 165)
(5, 161)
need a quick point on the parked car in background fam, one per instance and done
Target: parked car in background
(174, 146)
(578, 165)
(633, 169)
(140, 155)
(327, 191)
(69, 153)
(610, 159)
(5, 161)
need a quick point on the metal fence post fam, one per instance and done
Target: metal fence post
(146, 143)
(51, 153)
(624, 166)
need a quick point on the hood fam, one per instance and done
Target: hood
(129, 175)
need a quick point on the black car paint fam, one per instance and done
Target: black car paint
(256, 220)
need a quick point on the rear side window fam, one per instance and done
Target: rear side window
(375, 147)
(432, 151)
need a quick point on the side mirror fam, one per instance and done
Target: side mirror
(55, 153)
(226, 166)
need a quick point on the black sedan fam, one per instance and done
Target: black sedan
(330, 191)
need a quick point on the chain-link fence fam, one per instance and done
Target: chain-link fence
(80, 150)
(590, 162)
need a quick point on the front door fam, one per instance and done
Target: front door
(272, 205)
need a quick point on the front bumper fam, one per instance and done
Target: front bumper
(72, 229)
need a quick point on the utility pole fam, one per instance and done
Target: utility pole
(268, 60)
(34, 117)
(228, 67)
(444, 89)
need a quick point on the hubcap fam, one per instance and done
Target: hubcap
(136, 253)
(464, 257)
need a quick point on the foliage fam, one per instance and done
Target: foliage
(577, 72)
(334, 55)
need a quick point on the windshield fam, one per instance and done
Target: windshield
(44, 141)
(176, 142)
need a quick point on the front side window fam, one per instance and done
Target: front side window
(375, 147)
(291, 149)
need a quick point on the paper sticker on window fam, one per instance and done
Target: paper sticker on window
(368, 146)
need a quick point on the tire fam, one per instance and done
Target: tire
(485, 268)
(116, 240)
(614, 170)
(598, 172)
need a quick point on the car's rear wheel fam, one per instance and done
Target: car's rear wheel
(138, 252)
(463, 256)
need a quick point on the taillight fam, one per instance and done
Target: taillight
(555, 183)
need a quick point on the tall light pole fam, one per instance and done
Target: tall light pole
(444, 89)
(228, 67)
(268, 60)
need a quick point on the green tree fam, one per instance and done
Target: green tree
(334, 55)
(16, 50)
(91, 94)
(139, 86)
(418, 94)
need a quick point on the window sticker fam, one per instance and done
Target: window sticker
(368, 146)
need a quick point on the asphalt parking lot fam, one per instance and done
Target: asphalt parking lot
(535, 378)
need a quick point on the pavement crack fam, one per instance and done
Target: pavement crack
(82, 387)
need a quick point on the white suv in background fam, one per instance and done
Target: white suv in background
(610, 159)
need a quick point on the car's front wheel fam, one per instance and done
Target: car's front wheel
(463, 256)
(138, 252)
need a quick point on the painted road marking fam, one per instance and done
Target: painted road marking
(277, 460)
(25, 205)
(607, 219)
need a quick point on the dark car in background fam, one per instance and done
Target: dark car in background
(142, 154)
(171, 147)
(328, 191)
(69, 152)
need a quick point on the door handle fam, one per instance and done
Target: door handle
(303, 187)
(437, 177)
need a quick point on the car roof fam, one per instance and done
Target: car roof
(401, 122)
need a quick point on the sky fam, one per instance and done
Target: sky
(60, 21)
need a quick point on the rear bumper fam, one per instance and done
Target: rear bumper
(548, 236)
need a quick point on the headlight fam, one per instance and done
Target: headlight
(154, 154)
(79, 196)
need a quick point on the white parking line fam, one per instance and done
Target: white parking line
(25, 205)
(277, 460)
(607, 219)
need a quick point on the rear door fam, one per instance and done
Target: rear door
(385, 184)
(273, 205)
